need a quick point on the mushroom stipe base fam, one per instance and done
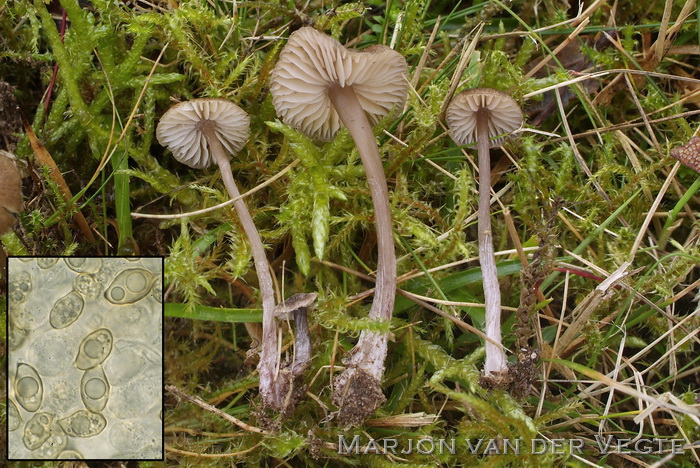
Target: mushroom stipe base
(358, 395)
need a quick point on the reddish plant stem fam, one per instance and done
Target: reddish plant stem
(52, 84)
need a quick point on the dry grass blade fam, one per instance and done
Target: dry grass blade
(199, 402)
(224, 204)
(211, 455)
(579, 158)
(611, 383)
(584, 310)
(403, 420)
(464, 59)
(652, 210)
(593, 389)
(559, 48)
(45, 159)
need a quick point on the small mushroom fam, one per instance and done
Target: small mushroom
(202, 130)
(316, 85)
(296, 308)
(288, 388)
(486, 116)
(10, 192)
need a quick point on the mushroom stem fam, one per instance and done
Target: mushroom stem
(296, 308)
(269, 359)
(370, 351)
(302, 344)
(495, 356)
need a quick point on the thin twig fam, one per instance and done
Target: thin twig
(201, 403)
(211, 455)
(224, 204)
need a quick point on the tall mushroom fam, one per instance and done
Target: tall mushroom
(485, 116)
(204, 130)
(317, 84)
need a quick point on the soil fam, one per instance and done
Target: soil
(10, 120)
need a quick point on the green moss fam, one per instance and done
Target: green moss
(317, 220)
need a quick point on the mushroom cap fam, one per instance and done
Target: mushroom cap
(10, 192)
(6, 221)
(312, 62)
(505, 115)
(10, 185)
(180, 129)
(689, 154)
(302, 301)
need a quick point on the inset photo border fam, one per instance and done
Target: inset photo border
(84, 369)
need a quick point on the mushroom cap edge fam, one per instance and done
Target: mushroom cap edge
(179, 129)
(311, 62)
(505, 114)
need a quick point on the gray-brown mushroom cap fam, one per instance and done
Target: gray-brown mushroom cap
(179, 129)
(10, 192)
(504, 113)
(10, 185)
(312, 62)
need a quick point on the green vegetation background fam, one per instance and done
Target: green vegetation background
(583, 188)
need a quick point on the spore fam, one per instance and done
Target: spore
(94, 349)
(94, 389)
(130, 286)
(29, 390)
(66, 310)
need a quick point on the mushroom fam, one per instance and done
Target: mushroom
(316, 85)
(485, 116)
(10, 192)
(288, 383)
(296, 308)
(202, 130)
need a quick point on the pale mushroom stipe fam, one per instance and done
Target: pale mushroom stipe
(204, 130)
(316, 85)
(486, 116)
